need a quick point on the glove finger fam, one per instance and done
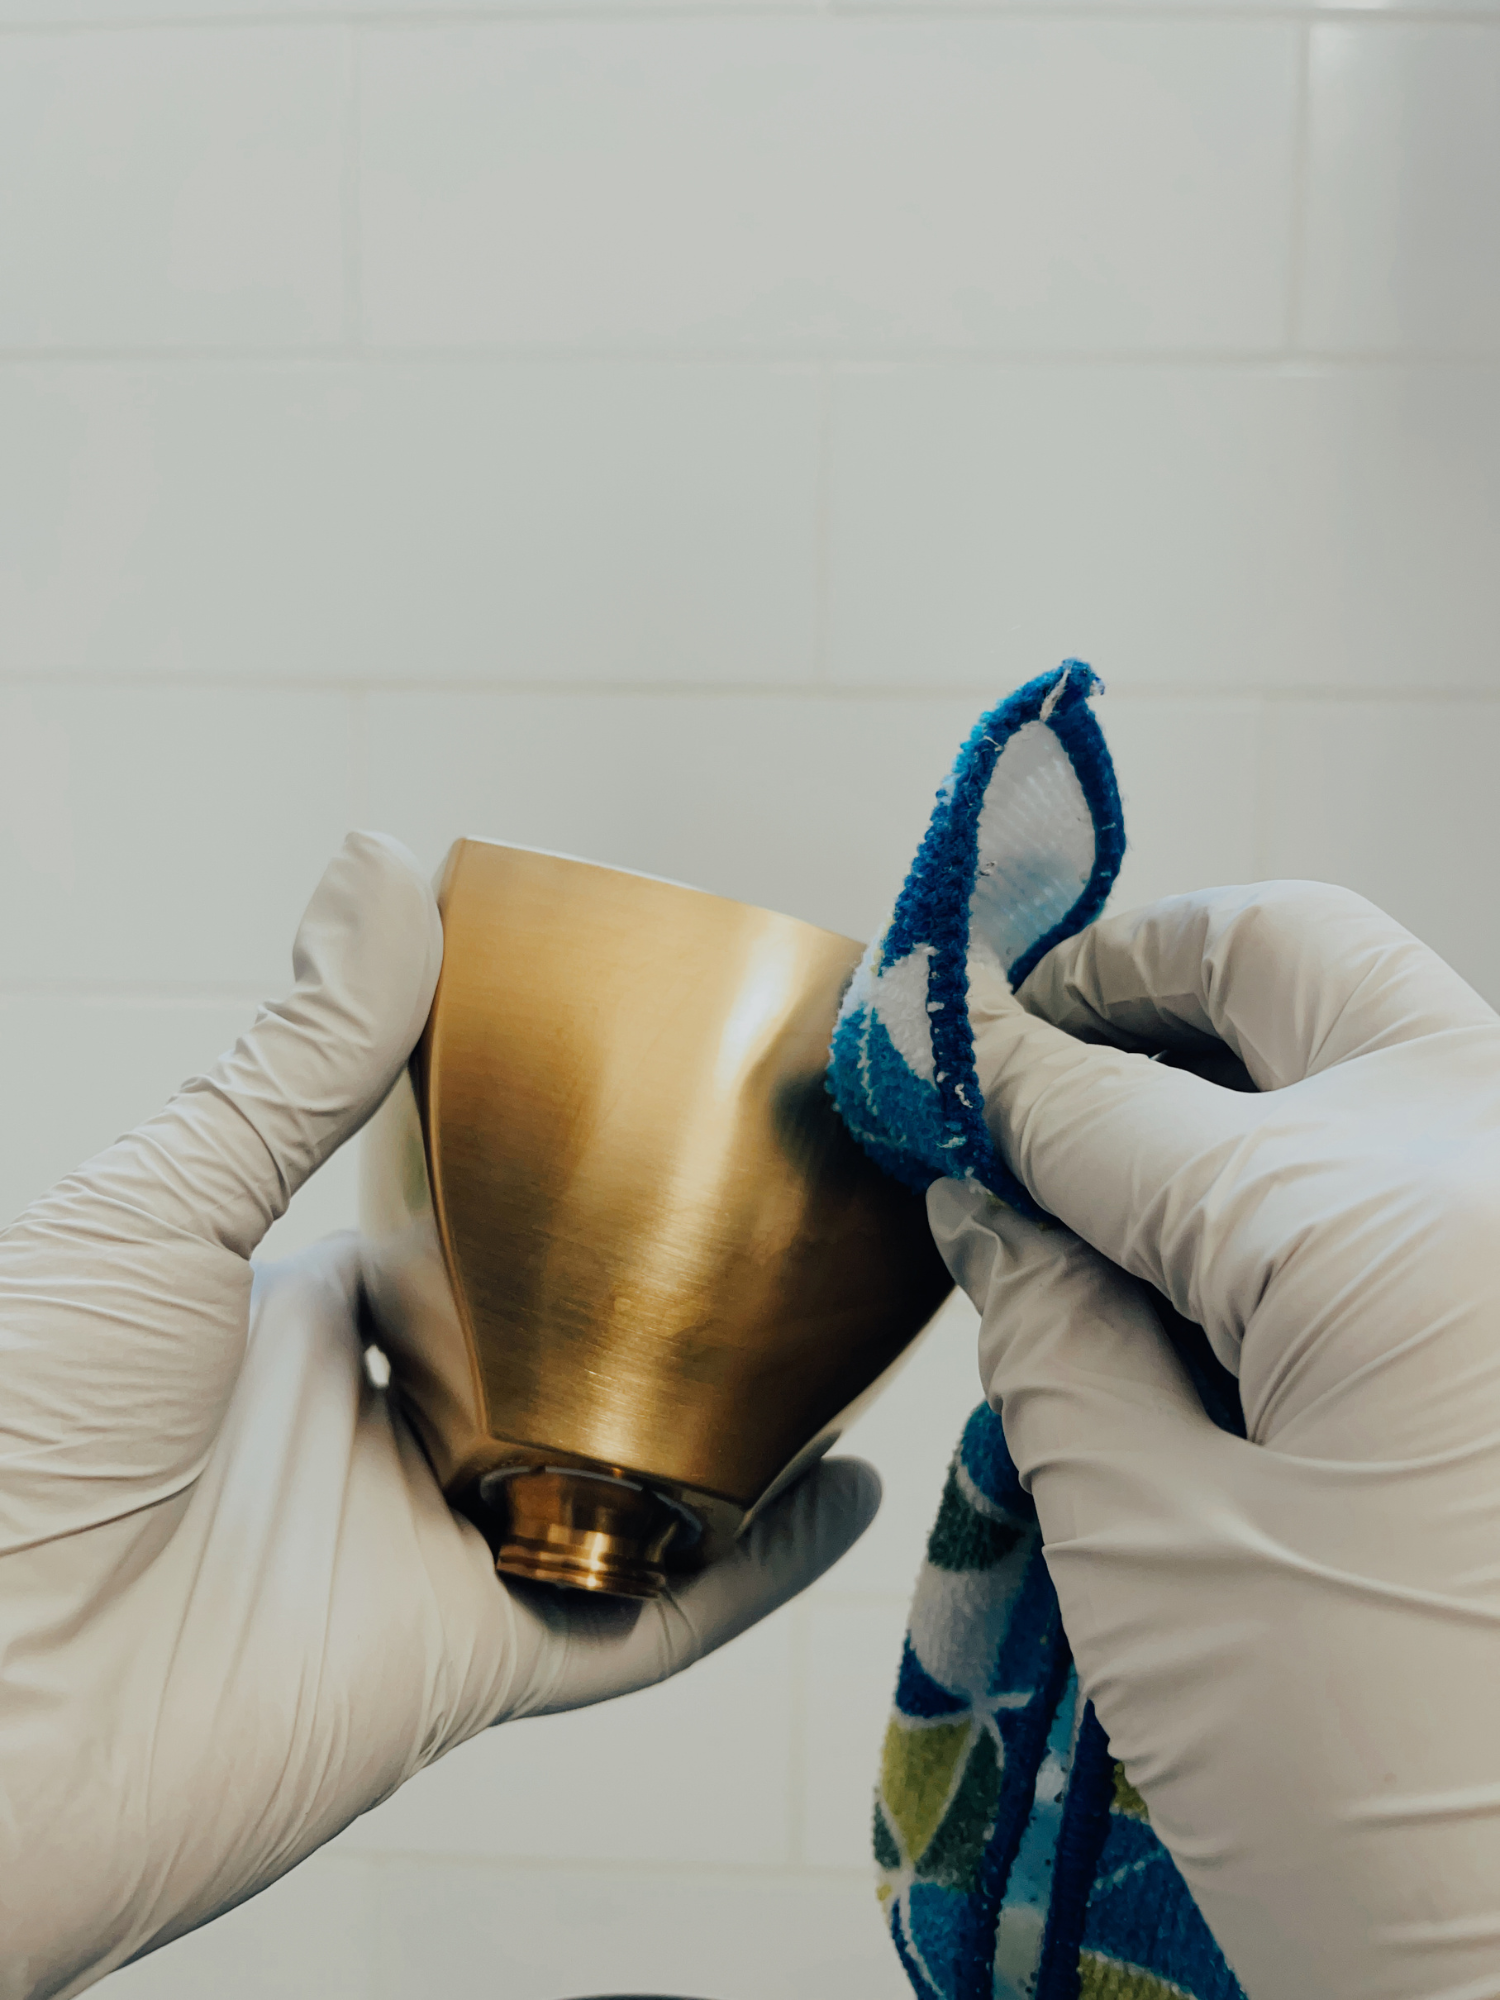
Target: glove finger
(1293, 976)
(610, 1648)
(224, 1158)
(1180, 1181)
(1276, 1645)
(1139, 1495)
(1071, 1350)
(1148, 1164)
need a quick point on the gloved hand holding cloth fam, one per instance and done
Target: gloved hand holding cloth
(1291, 1637)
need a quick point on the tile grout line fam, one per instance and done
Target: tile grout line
(351, 243)
(332, 354)
(313, 687)
(797, 1738)
(1260, 829)
(1355, 11)
(822, 665)
(359, 757)
(1301, 154)
(803, 12)
(523, 1864)
(103, 992)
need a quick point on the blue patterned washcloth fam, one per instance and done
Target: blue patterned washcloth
(1015, 1859)
(1023, 848)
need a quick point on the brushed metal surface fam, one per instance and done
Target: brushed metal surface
(619, 1226)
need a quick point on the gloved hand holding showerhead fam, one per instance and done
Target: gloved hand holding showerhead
(238, 1611)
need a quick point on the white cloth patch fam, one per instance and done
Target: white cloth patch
(1035, 845)
(899, 1002)
(959, 1618)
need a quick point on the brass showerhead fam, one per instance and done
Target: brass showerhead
(631, 1272)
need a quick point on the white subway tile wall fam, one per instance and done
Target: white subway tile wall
(167, 189)
(1400, 246)
(1220, 528)
(808, 183)
(654, 431)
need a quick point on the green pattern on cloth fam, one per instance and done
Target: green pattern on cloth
(1108, 1979)
(1126, 1798)
(887, 1853)
(952, 1855)
(1016, 1860)
(962, 1538)
(916, 1778)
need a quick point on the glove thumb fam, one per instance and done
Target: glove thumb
(227, 1154)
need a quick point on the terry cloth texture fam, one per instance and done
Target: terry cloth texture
(1021, 851)
(1015, 1859)
(1016, 1862)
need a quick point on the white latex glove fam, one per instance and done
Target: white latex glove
(235, 1611)
(1292, 1642)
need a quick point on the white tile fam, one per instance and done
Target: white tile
(909, 1436)
(162, 836)
(801, 182)
(76, 1073)
(1398, 801)
(1403, 173)
(458, 521)
(1375, 7)
(308, 1937)
(172, 188)
(122, 13)
(694, 1771)
(1189, 776)
(1482, 8)
(810, 805)
(541, 1935)
(50, 13)
(1196, 528)
(854, 1652)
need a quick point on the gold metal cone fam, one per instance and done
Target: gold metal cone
(616, 1226)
